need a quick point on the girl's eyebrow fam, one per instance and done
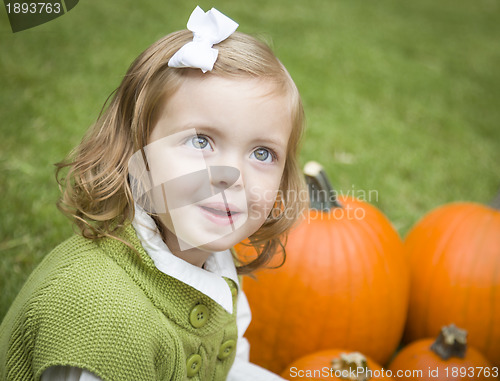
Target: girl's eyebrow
(173, 129)
(195, 126)
(272, 143)
(275, 140)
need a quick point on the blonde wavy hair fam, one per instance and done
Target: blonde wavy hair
(95, 190)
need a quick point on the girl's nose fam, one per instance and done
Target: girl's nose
(223, 176)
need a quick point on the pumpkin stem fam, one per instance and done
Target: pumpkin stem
(322, 196)
(349, 364)
(451, 342)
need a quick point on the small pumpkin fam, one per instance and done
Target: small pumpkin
(446, 358)
(344, 284)
(335, 364)
(454, 253)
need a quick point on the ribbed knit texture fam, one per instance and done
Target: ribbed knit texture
(100, 306)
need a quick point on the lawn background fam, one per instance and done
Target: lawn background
(401, 97)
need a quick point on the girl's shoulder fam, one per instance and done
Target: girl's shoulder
(76, 267)
(76, 254)
(83, 279)
(80, 299)
(91, 261)
(78, 251)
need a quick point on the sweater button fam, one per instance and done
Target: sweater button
(226, 349)
(193, 365)
(198, 316)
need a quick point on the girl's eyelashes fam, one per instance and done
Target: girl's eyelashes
(264, 155)
(199, 142)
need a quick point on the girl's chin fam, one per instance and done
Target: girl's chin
(220, 244)
(209, 237)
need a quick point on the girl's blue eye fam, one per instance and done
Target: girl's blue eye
(199, 142)
(263, 155)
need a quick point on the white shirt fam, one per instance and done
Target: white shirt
(209, 281)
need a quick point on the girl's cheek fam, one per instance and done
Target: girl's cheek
(261, 198)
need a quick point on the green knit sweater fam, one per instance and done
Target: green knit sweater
(100, 306)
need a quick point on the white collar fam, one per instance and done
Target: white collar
(209, 281)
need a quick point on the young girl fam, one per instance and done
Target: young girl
(196, 152)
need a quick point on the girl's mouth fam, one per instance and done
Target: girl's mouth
(220, 213)
(217, 211)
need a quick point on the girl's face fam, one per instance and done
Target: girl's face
(216, 156)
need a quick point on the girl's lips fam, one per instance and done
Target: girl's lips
(220, 214)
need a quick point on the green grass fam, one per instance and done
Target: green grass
(401, 98)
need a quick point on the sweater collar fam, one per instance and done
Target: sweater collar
(208, 281)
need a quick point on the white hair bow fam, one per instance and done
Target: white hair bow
(208, 29)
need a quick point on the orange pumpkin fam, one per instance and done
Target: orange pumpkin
(455, 260)
(344, 284)
(446, 358)
(335, 364)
